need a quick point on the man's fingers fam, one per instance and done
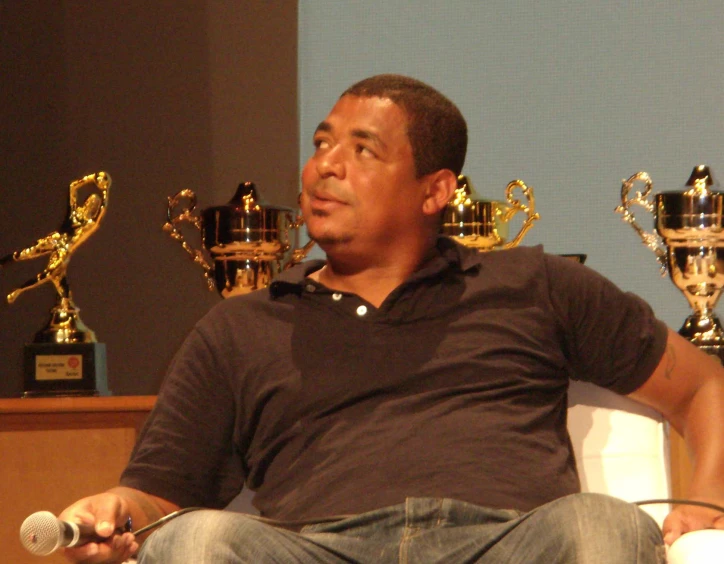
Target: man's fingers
(673, 528)
(685, 518)
(117, 549)
(85, 553)
(80, 516)
(670, 537)
(109, 515)
(105, 528)
(125, 545)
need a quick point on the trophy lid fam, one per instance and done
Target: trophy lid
(465, 195)
(464, 191)
(696, 212)
(246, 201)
(464, 208)
(245, 196)
(473, 221)
(247, 226)
(701, 181)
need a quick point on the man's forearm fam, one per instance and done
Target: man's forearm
(703, 430)
(687, 387)
(144, 508)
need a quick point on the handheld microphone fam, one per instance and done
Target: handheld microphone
(43, 533)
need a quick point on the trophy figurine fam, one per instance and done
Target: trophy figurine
(249, 243)
(65, 359)
(483, 224)
(689, 245)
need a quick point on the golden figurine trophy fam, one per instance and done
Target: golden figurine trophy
(249, 243)
(483, 224)
(689, 245)
(65, 359)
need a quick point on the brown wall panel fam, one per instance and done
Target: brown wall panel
(163, 95)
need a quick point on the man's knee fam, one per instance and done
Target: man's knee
(209, 536)
(601, 528)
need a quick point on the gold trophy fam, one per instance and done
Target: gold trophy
(65, 359)
(249, 243)
(689, 245)
(483, 224)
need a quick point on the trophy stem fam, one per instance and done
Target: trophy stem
(65, 325)
(704, 329)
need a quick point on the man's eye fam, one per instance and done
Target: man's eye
(365, 151)
(321, 144)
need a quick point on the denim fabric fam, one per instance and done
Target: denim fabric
(580, 529)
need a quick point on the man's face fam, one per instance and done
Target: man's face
(359, 187)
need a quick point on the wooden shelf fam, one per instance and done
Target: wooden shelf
(77, 404)
(58, 450)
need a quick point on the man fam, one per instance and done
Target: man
(405, 400)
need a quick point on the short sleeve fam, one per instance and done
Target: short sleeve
(612, 338)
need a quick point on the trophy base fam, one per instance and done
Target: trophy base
(706, 333)
(236, 275)
(60, 370)
(713, 350)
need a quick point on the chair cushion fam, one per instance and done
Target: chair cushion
(621, 447)
(698, 547)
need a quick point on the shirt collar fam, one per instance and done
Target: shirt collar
(447, 253)
(292, 281)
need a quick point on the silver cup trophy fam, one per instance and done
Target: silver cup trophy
(249, 243)
(483, 224)
(689, 244)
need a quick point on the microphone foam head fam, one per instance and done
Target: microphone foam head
(41, 533)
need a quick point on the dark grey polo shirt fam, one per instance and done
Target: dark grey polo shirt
(455, 387)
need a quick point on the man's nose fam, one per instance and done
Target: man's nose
(331, 163)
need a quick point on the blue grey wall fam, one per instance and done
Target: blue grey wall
(571, 97)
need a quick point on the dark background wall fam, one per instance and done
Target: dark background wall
(163, 95)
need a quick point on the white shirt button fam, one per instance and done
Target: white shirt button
(361, 310)
(310, 288)
(336, 296)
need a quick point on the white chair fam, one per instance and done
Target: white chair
(621, 449)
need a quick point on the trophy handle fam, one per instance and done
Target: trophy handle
(298, 255)
(650, 239)
(516, 206)
(185, 201)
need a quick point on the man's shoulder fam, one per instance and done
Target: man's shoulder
(524, 266)
(525, 258)
(530, 258)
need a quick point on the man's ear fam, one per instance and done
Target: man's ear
(440, 189)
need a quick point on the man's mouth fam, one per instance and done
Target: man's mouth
(318, 198)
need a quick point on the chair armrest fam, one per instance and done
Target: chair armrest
(698, 547)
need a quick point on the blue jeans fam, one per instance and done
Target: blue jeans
(581, 529)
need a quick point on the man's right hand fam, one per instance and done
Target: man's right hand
(106, 512)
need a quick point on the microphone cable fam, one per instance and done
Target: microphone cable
(681, 502)
(165, 519)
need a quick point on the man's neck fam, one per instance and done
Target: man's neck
(372, 282)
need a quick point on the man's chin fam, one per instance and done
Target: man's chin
(328, 241)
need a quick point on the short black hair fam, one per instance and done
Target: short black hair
(436, 128)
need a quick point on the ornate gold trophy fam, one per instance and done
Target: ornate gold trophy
(483, 224)
(249, 243)
(65, 358)
(690, 245)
